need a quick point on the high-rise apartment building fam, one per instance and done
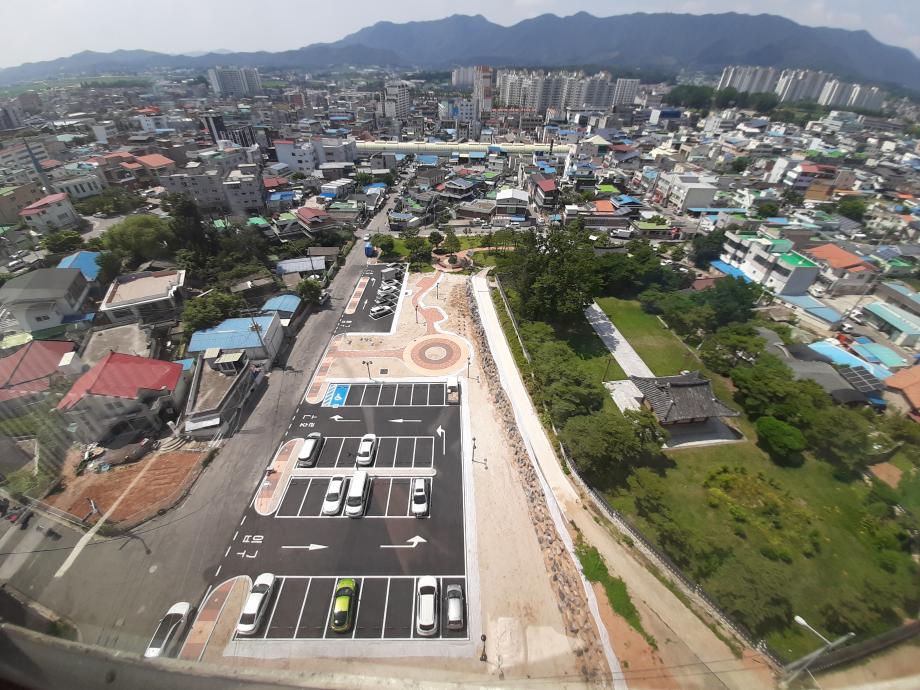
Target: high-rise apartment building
(215, 127)
(235, 81)
(462, 77)
(749, 79)
(625, 91)
(483, 90)
(796, 85)
(396, 99)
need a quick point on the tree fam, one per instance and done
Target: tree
(678, 254)
(841, 436)
(754, 593)
(768, 209)
(783, 442)
(385, 243)
(606, 447)
(109, 264)
(691, 96)
(419, 249)
(731, 345)
(852, 208)
(62, 242)
(740, 164)
(793, 198)
(363, 179)
(435, 238)
(706, 248)
(209, 310)
(140, 238)
(451, 242)
(310, 290)
(188, 228)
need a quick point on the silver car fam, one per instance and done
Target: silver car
(168, 630)
(454, 596)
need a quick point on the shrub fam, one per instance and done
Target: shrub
(783, 442)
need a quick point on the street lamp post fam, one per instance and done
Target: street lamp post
(368, 363)
(606, 368)
(800, 666)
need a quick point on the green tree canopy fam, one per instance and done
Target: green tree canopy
(385, 243)
(783, 442)
(62, 242)
(435, 238)
(731, 345)
(707, 248)
(851, 207)
(140, 238)
(210, 309)
(451, 242)
(310, 290)
(841, 436)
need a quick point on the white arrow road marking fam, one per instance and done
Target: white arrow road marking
(364, 303)
(440, 432)
(401, 421)
(339, 418)
(373, 280)
(308, 547)
(410, 543)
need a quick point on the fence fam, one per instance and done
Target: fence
(514, 323)
(865, 647)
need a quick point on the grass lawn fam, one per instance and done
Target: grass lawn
(818, 521)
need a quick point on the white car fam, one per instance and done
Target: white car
(367, 238)
(380, 311)
(419, 497)
(388, 288)
(426, 607)
(167, 629)
(366, 449)
(335, 494)
(255, 605)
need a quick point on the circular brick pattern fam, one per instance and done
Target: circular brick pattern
(436, 353)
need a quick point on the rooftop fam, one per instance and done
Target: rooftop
(137, 288)
(681, 398)
(40, 284)
(794, 259)
(232, 334)
(85, 261)
(123, 376)
(129, 339)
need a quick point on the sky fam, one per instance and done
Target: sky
(57, 28)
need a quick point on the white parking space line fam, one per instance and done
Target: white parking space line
(268, 623)
(339, 454)
(306, 491)
(302, 604)
(386, 603)
(386, 510)
(414, 597)
(354, 623)
(363, 393)
(329, 615)
(379, 393)
(414, 446)
(283, 494)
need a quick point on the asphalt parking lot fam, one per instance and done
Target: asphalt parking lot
(361, 321)
(386, 550)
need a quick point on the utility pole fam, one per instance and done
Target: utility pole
(800, 666)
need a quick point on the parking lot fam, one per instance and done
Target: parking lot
(373, 292)
(302, 606)
(387, 549)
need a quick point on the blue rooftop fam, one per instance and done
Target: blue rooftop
(186, 363)
(281, 196)
(707, 210)
(895, 317)
(841, 357)
(282, 303)
(427, 160)
(232, 334)
(477, 154)
(85, 261)
(730, 270)
(813, 307)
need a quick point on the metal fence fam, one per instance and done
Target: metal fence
(514, 323)
(865, 647)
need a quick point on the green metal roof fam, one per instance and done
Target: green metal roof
(798, 260)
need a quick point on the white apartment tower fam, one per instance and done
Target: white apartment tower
(462, 77)
(625, 91)
(396, 99)
(800, 85)
(749, 79)
(235, 81)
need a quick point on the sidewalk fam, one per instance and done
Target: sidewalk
(628, 359)
(684, 640)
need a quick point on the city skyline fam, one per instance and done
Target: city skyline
(106, 25)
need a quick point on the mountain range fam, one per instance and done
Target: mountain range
(660, 42)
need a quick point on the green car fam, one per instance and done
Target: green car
(343, 605)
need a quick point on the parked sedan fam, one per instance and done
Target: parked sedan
(335, 493)
(343, 605)
(419, 497)
(366, 449)
(167, 630)
(255, 605)
(380, 311)
(426, 607)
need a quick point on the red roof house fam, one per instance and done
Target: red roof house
(29, 370)
(118, 375)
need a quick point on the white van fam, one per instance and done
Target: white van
(358, 490)
(309, 451)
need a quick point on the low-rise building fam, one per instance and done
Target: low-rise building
(50, 213)
(27, 374)
(45, 298)
(769, 261)
(259, 337)
(122, 396)
(901, 327)
(221, 384)
(842, 272)
(14, 197)
(80, 187)
(148, 297)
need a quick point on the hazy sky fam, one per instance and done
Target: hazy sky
(46, 29)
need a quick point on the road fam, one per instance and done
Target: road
(118, 588)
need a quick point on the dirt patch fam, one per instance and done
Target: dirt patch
(642, 667)
(167, 476)
(888, 473)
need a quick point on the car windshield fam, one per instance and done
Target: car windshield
(248, 618)
(419, 497)
(165, 629)
(333, 495)
(260, 588)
